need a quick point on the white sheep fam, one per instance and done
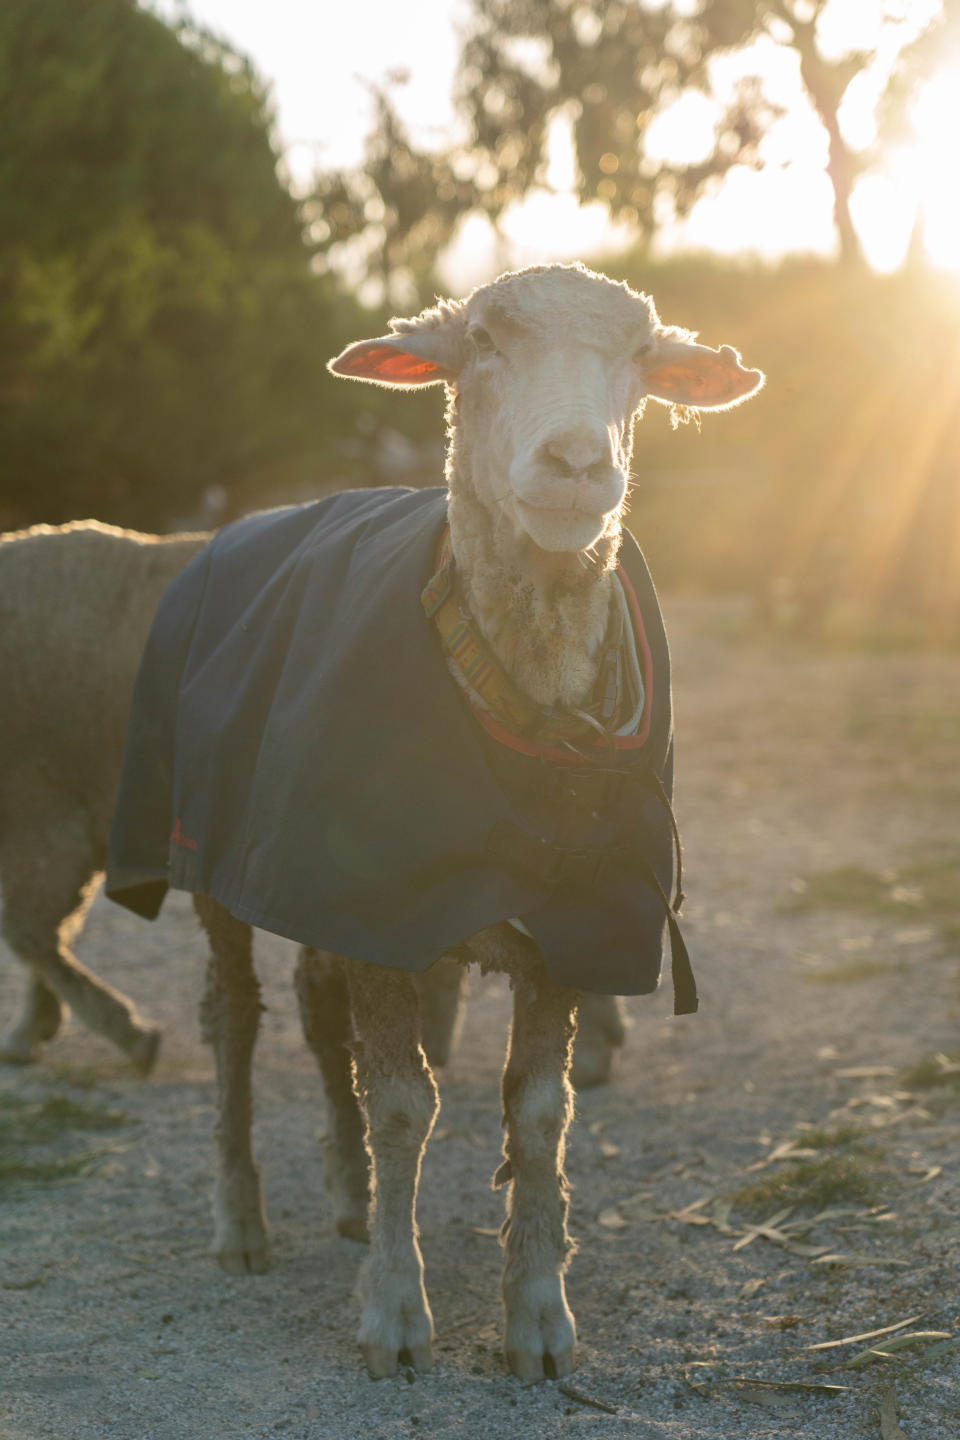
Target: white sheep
(369, 806)
(76, 602)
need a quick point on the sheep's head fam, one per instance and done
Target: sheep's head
(549, 368)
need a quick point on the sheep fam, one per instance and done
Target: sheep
(379, 775)
(76, 603)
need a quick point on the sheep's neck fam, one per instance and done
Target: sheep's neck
(544, 616)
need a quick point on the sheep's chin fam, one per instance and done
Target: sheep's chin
(560, 532)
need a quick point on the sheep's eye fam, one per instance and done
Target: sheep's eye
(482, 339)
(643, 352)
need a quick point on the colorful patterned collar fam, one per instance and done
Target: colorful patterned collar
(621, 698)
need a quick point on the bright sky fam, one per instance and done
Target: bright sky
(320, 57)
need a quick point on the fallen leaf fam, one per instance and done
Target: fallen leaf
(608, 1150)
(889, 1429)
(864, 1072)
(945, 1347)
(750, 1288)
(930, 1174)
(783, 1322)
(640, 1198)
(867, 1335)
(769, 1399)
(914, 935)
(808, 1387)
(583, 1399)
(891, 1347)
(720, 1212)
(688, 1215)
(786, 1150)
(611, 1219)
(766, 1228)
(486, 1230)
(854, 1257)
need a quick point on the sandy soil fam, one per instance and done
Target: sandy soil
(115, 1322)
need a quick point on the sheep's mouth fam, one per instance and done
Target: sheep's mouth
(582, 512)
(564, 528)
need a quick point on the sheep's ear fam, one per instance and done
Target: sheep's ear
(680, 372)
(426, 357)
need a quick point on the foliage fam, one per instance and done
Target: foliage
(608, 72)
(610, 69)
(26, 1125)
(926, 888)
(613, 68)
(832, 497)
(814, 1184)
(161, 331)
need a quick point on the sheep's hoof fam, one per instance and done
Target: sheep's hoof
(548, 1365)
(353, 1227)
(41, 1020)
(241, 1241)
(19, 1048)
(396, 1325)
(143, 1051)
(382, 1360)
(245, 1250)
(541, 1344)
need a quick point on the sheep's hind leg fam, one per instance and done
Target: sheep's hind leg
(601, 1030)
(324, 1001)
(40, 1020)
(230, 1018)
(540, 1336)
(398, 1097)
(442, 989)
(48, 872)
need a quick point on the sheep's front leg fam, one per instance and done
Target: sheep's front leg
(398, 1097)
(540, 1336)
(229, 1019)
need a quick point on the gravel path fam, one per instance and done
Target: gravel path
(115, 1323)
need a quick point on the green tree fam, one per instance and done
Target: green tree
(609, 69)
(161, 330)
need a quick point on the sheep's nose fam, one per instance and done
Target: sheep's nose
(578, 451)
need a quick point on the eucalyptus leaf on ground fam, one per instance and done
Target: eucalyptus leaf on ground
(866, 1335)
(889, 1428)
(891, 1347)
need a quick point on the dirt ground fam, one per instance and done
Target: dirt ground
(815, 1018)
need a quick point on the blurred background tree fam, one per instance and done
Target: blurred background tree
(161, 333)
(607, 73)
(835, 499)
(167, 305)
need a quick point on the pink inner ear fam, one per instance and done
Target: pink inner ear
(383, 362)
(709, 382)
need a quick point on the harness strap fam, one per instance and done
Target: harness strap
(664, 798)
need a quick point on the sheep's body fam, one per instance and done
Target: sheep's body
(76, 603)
(546, 372)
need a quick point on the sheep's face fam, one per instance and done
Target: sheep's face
(550, 367)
